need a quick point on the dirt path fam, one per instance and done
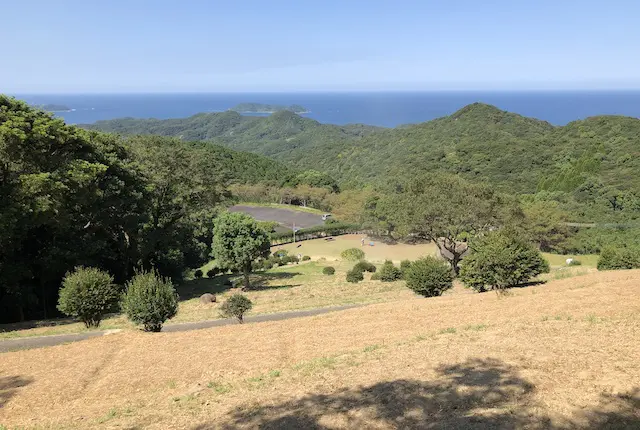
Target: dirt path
(44, 341)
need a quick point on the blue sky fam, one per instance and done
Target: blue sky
(257, 45)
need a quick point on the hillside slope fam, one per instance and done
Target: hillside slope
(515, 153)
(556, 356)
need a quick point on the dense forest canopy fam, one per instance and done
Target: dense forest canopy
(588, 166)
(72, 197)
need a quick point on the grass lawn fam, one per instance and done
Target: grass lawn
(557, 356)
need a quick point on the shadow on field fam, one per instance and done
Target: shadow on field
(259, 281)
(24, 325)
(478, 394)
(9, 385)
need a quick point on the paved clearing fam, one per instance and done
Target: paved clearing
(43, 341)
(286, 217)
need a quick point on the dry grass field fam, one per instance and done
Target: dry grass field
(560, 355)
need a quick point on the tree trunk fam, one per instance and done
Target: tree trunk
(246, 280)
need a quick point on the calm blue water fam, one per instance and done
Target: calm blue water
(381, 108)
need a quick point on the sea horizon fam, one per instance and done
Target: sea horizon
(389, 108)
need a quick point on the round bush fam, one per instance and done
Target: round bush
(88, 293)
(212, 272)
(405, 264)
(236, 306)
(198, 274)
(306, 258)
(352, 254)
(389, 272)
(328, 270)
(150, 300)
(619, 258)
(429, 277)
(375, 276)
(501, 260)
(354, 276)
(365, 266)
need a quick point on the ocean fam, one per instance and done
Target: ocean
(387, 109)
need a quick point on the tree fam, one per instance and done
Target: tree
(546, 224)
(236, 306)
(87, 294)
(428, 277)
(619, 258)
(446, 210)
(500, 260)
(238, 241)
(150, 300)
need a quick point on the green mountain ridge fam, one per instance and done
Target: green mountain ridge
(479, 141)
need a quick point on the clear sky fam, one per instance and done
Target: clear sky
(298, 45)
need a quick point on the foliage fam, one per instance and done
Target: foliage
(619, 258)
(375, 276)
(198, 274)
(87, 294)
(352, 254)
(315, 232)
(306, 258)
(281, 253)
(150, 300)
(446, 210)
(238, 241)
(575, 262)
(354, 275)
(365, 266)
(236, 306)
(428, 277)
(328, 270)
(500, 260)
(389, 272)
(213, 272)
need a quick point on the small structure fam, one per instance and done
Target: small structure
(207, 298)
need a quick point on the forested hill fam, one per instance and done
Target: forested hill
(479, 141)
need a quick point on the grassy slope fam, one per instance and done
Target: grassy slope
(561, 355)
(295, 287)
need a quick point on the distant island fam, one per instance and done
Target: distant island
(54, 108)
(266, 108)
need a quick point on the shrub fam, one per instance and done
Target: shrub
(375, 276)
(88, 293)
(280, 253)
(501, 260)
(354, 276)
(365, 266)
(619, 258)
(405, 264)
(574, 262)
(150, 300)
(306, 258)
(352, 254)
(328, 270)
(389, 272)
(212, 272)
(198, 274)
(236, 306)
(428, 277)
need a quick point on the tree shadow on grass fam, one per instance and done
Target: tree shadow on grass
(615, 412)
(259, 281)
(24, 325)
(9, 385)
(475, 394)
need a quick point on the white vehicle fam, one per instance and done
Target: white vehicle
(325, 217)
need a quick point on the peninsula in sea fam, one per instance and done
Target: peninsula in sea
(267, 108)
(54, 107)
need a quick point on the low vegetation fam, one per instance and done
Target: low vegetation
(236, 306)
(88, 294)
(328, 270)
(150, 300)
(354, 276)
(619, 258)
(501, 260)
(352, 254)
(389, 272)
(428, 277)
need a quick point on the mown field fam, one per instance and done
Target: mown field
(295, 287)
(559, 355)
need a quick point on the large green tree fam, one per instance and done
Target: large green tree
(238, 241)
(446, 210)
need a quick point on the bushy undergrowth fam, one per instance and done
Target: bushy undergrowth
(619, 258)
(389, 272)
(150, 300)
(352, 254)
(236, 306)
(428, 276)
(328, 270)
